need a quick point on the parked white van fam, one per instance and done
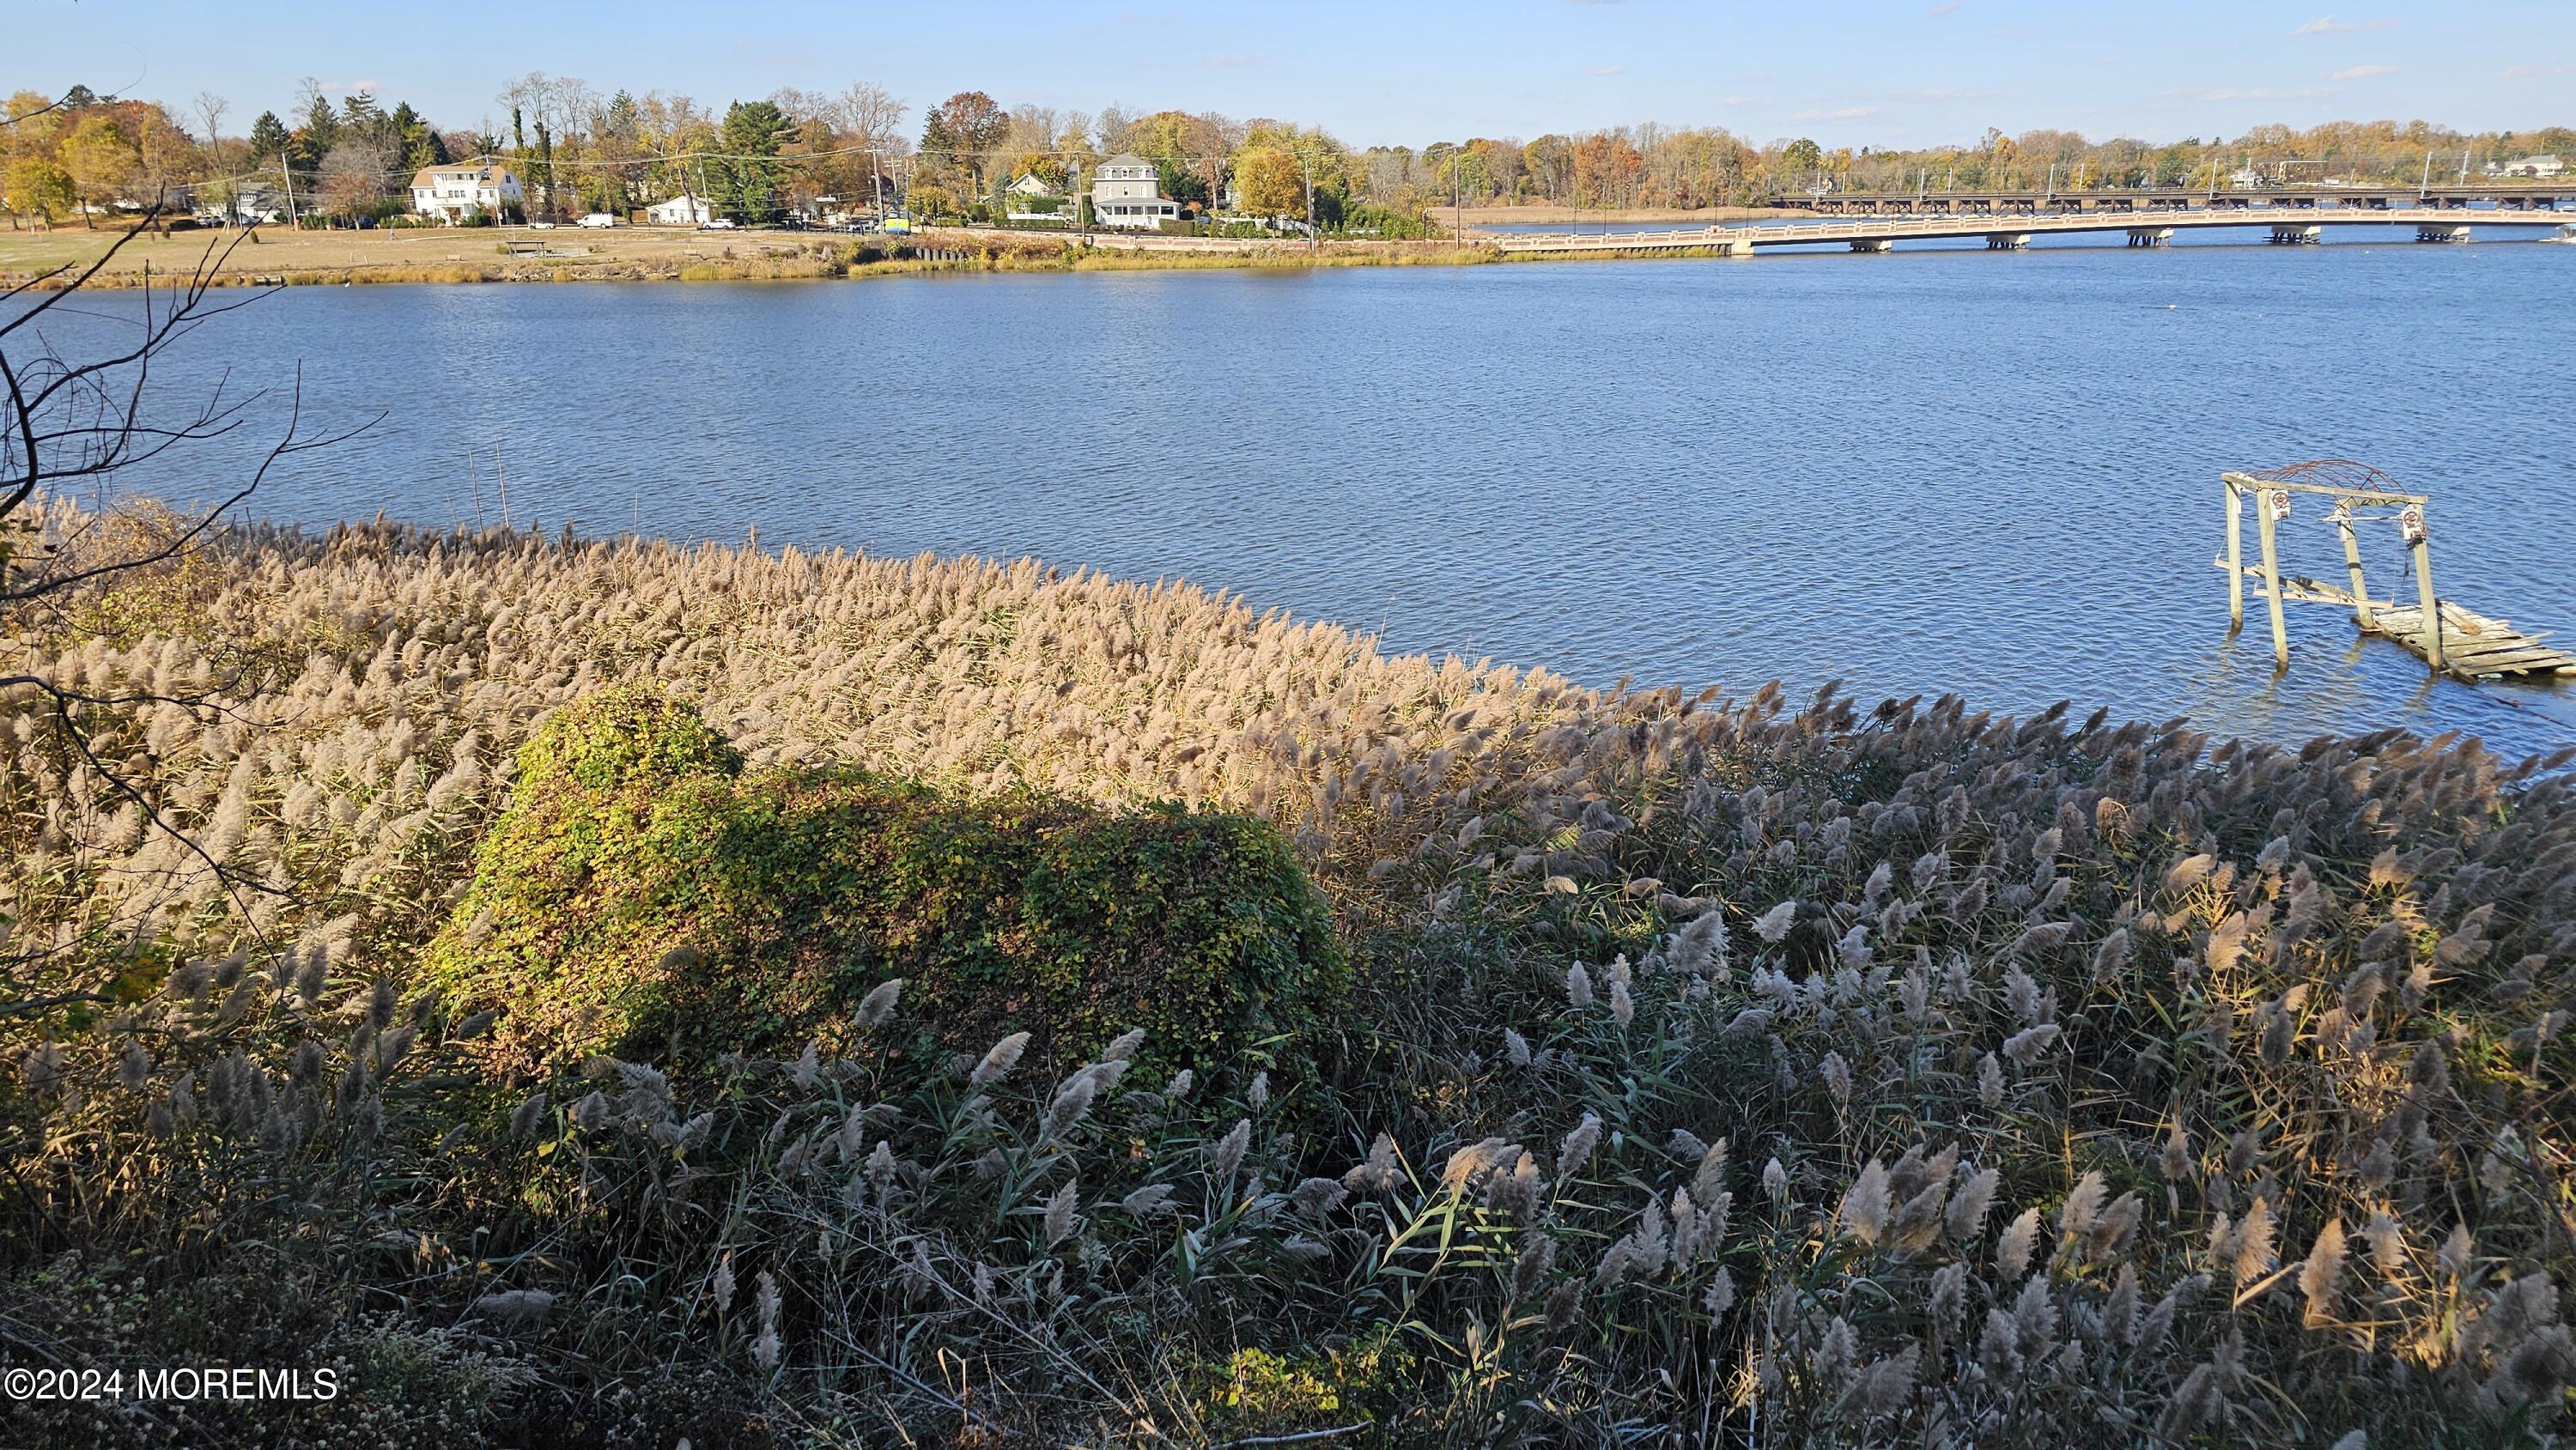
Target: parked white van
(598, 219)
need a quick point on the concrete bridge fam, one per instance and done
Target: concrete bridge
(2524, 196)
(2292, 226)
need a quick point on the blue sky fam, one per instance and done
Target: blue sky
(1844, 73)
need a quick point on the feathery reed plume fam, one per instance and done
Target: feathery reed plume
(2014, 1245)
(1316, 1197)
(1061, 1220)
(2318, 1276)
(1071, 1102)
(1578, 986)
(1532, 1266)
(999, 1060)
(1699, 948)
(1772, 925)
(877, 1008)
(767, 1349)
(1865, 1205)
(2254, 1256)
(1574, 1153)
(1378, 1172)
(1226, 1154)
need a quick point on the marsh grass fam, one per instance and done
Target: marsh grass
(1717, 1070)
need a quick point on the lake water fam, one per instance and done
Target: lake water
(1938, 470)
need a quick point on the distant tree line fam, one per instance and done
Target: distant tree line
(82, 155)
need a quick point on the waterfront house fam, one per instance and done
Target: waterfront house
(1032, 197)
(1127, 192)
(241, 204)
(450, 193)
(2542, 166)
(680, 211)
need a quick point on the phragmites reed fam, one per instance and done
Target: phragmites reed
(2200, 1007)
(877, 1008)
(997, 1062)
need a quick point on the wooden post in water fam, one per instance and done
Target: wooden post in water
(2235, 558)
(2352, 566)
(2424, 596)
(2272, 579)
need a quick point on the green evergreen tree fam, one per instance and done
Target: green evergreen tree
(743, 184)
(267, 137)
(360, 114)
(314, 139)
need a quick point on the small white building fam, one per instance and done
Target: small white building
(1127, 192)
(680, 211)
(2535, 166)
(449, 192)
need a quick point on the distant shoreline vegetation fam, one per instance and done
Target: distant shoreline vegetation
(433, 258)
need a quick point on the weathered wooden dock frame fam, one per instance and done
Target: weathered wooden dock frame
(2267, 512)
(2484, 648)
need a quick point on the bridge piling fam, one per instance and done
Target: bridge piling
(2435, 233)
(2007, 241)
(2297, 234)
(2151, 236)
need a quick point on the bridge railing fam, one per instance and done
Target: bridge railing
(1866, 228)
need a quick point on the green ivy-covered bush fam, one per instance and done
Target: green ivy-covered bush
(646, 896)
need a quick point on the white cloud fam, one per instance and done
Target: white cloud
(2328, 25)
(2362, 72)
(1846, 113)
(1952, 8)
(1607, 70)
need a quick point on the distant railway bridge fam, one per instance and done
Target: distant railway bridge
(2525, 196)
(2005, 231)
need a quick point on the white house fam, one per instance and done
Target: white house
(1127, 192)
(449, 192)
(1032, 197)
(680, 211)
(2539, 166)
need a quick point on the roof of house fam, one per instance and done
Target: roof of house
(468, 171)
(1126, 158)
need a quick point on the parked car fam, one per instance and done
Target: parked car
(541, 226)
(720, 224)
(599, 219)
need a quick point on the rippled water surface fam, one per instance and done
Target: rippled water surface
(1939, 470)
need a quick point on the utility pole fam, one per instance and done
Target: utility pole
(1311, 245)
(289, 178)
